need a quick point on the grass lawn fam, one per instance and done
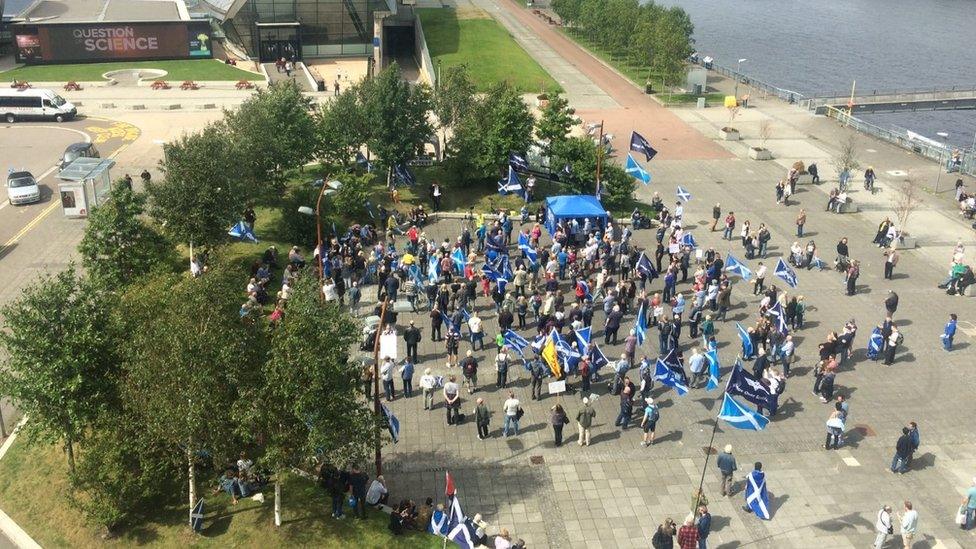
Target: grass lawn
(473, 38)
(195, 69)
(688, 98)
(33, 484)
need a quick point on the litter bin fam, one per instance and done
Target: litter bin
(320, 85)
(648, 89)
(701, 102)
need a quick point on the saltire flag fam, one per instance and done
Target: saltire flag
(447, 322)
(459, 260)
(666, 375)
(714, 369)
(875, 342)
(746, 385)
(635, 170)
(392, 423)
(510, 184)
(196, 516)
(404, 175)
(735, 266)
(583, 337)
(641, 145)
(757, 498)
(363, 162)
(683, 194)
(597, 358)
(672, 359)
(550, 356)
(741, 417)
(780, 315)
(527, 249)
(640, 325)
(645, 268)
(785, 272)
(242, 232)
(438, 381)
(747, 349)
(417, 278)
(689, 240)
(518, 162)
(465, 314)
(464, 534)
(516, 342)
(432, 266)
(497, 268)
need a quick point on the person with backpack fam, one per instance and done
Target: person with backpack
(538, 371)
(649, 421)
(894, 340)
(469, 369)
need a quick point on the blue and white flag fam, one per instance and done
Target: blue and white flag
(459, 260)
(447, 322)
(636, 171)
(875, 343)
(640, 325)
(518, 162)
(785, 272)
(683, 194)
(563, 347)
(403, 174)
(392, 423)
(416, 276)
(746, 385)
(645, 268)
(668, 376)
(741, 417)
(432, 266)
(757, 498)
(526, 247)
(735, 266)
(641, 145)
(363, 162)
(196, 516)
(689, 240)
(511, 184)
(242, 232)
(464, 534)
(597, 358)
(776, 311)
(747, 349)
(583, 337)
(516, 342)
(465, 314)
(714, 369)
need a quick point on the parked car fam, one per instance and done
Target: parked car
(22, 188)
(77, 150)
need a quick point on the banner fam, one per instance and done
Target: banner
(114, 41)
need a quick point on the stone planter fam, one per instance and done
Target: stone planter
(542, 101)
(757, 153)
(906, 243)
(729, 134)
(804, 179)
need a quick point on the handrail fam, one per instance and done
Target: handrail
(938, 152)
(873, 93)
(790, 96)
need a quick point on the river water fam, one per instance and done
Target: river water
(819, 46)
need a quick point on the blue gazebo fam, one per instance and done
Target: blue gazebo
(579, 207)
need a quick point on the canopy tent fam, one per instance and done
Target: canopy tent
(579, 207)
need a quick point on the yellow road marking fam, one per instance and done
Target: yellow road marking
(33, 222)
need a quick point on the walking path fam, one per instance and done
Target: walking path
(632, 111)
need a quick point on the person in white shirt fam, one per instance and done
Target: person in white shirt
(697, 364)
(679, 210)
(386, 375)
(882, 526)
(477, 332)
(452, 400)
(909, 523)
(377, 493)
(503, 540)
(760, 279)
(511, 409)
(329, 290)
(428, 383)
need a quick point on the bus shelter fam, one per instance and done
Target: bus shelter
(85, 185)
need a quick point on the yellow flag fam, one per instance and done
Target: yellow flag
(549, 355)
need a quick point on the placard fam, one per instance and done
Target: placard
(388, 345)
(557, 387)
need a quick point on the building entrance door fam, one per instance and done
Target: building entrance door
(279, 42)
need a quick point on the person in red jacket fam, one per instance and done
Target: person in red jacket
(688, 534)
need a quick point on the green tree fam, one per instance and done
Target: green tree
(119, 246)
(624, 15)
(455, 94)
(190, 365)
(618, 186)
(568, 10)
(671, 45)
(396, 114)
(273, 131)
(310, 402)
(555, 121)
(580, 153)
(341, 128)
(60, 368)
(202, 194)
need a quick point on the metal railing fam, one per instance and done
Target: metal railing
(789, 96)
(906, 91)
(900, 137)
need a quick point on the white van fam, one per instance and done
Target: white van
(34, 103)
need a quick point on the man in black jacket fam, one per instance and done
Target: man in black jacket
(903, 452)
(411, 336)
(891, 303)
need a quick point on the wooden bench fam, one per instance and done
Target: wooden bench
(159, 85)
(189, 85)
(72, 86)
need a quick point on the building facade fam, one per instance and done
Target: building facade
(301, 29)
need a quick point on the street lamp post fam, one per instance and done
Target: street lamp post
(378, 458)
(945, 144)
(327, 188)
(738, 65)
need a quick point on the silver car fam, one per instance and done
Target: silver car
(22, 188)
